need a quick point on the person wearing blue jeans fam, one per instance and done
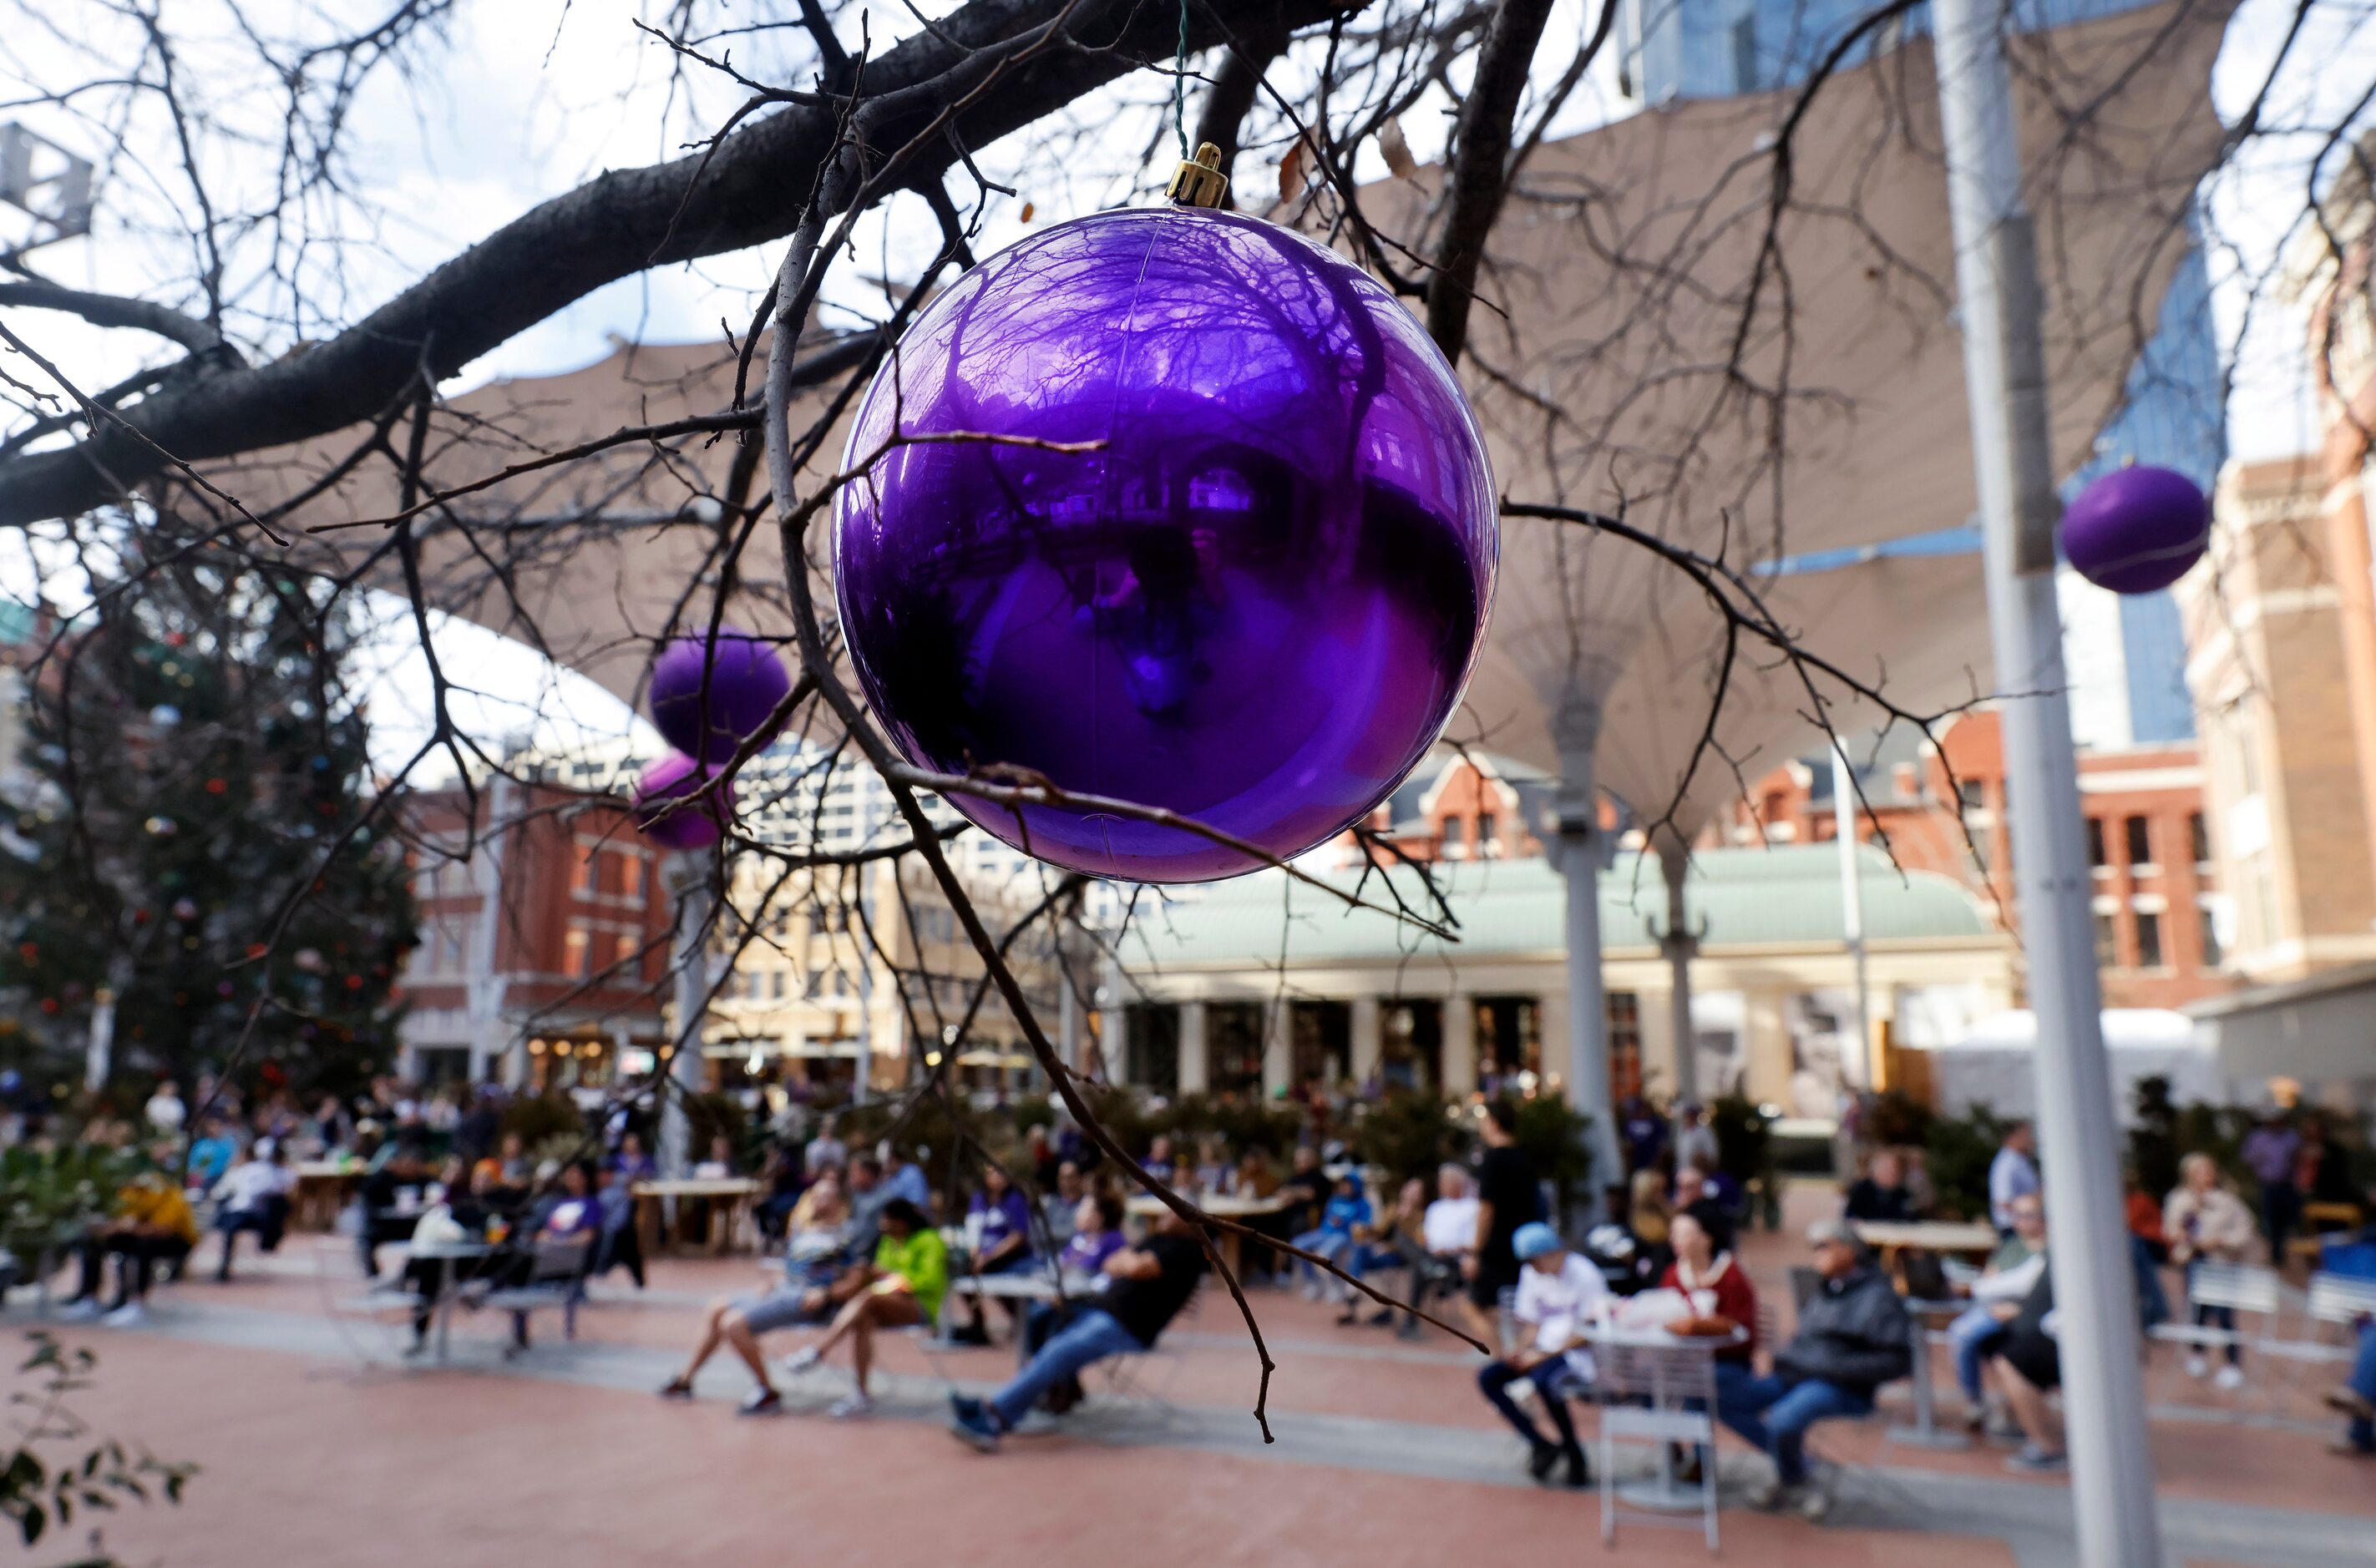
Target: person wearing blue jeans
(1345, 1221)
(1146, 1287)
(1560, 1293)
(1853, 1337)
(2357, 1399)
(1975, 1333)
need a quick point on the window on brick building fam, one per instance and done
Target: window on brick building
(2139, 833)
(581, 873)
(2108, 942)
(577, 951)
(1971, 794)
(2096, 842)
(631, 874)
(2149, 953)
(1486, 827)
(623, 949)
(2198, 838)
(2209, 925)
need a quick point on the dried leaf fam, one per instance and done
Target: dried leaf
(1292, 169)
(1396, 150)
(1027, 212)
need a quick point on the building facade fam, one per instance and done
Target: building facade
(2163, 924)
(1251, 987)
(544, 954)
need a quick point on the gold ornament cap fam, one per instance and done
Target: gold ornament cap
(1199, 182)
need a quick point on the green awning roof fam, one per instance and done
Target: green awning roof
(1746, 897)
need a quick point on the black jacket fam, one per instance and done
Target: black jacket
(1853, 1333)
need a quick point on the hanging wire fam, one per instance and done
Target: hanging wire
(1180, 85)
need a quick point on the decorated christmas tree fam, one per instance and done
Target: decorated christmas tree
(194, 832)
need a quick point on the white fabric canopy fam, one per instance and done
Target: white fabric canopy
(1991, 1065)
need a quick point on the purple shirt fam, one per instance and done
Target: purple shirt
(1087, 1253)
(2271, 1152)
(1011, 1216)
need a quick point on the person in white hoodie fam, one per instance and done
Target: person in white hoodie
(1997, 1296)
(254, 1195)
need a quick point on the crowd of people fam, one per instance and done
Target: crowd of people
(870, 1247)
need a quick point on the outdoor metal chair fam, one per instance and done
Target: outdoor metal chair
(1664, 1393)
(2239, 1287)
(2334, 1301)
(556, 1278)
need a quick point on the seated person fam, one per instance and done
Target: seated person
(1058, 1208)
(816, 1231)
(1215, 1177)
(779, 1193)
(461, 1213)
(2355, 1398)
(211, 1153)
(1881, 1192)
(508, 1173)
(151, 1224)
(820, 1226)
(1725, 1192)
(1719, 1290)
(1853, 1337)
(619, 1242)
(1450, 1228)
(1974, 1333)
(1096, 1236)
(254, 1195)
(388, 1199)
(2027, 1366)
(1147, 1286)
(575, 1211)
(902, 1287)
(1559, 1293)
(1650, 1218)
(1693, 1197)
(1158, 1162)
(720, 1163)
(998, 1238)
(1396, 1241)
(631, 1162)
(1345, 1218)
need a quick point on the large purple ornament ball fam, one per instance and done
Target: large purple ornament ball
(2136, 530)
(1253, 602)
(667, 817)
(746, 681)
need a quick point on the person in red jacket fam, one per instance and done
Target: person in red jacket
(1717, 1286)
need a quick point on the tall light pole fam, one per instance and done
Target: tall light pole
(1860, 1064)
(2095, 1292)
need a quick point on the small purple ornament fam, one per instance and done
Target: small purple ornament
(746, 681)
(2136, 530)
(696, 824)
(1254, 602)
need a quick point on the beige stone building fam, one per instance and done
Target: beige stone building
(841, 970)
(2283, 785)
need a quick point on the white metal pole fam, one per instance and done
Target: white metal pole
(1578, 808)
(2095, 1289)
(1844, 818)
(688, 874)
(1681, 944)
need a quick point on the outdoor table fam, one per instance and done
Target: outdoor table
(727, 1193)
(1663, 1492)
(1146, 1205)
(446, 1255)
(1891, 1238)
(323, 1186)
(1926, 1431)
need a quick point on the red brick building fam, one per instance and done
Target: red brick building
(2159, 911)
(544, 954)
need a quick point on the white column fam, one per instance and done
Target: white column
(1579, 847)
(1679, 944)
(688, 875)
(1279, 1047)
(2095, 1290)
(1459, 1028)
(1859, 1063)
(1369, 1042)
(1196, 1049)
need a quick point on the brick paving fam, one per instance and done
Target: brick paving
(319, 1443)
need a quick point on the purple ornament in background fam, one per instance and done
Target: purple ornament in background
(2136, 530)
(693, 826)
(746, 682)
(1255, 603)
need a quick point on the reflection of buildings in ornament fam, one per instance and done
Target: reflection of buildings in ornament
(847, 966)
(1210, 1009)
(2160, 915)
(554, 932)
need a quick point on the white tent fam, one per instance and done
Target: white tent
(1991, 1065)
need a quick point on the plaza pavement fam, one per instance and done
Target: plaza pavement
(321, 1444)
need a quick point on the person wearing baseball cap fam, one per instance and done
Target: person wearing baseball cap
(1559, 1294)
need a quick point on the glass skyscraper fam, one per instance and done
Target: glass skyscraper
(2172, 414)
